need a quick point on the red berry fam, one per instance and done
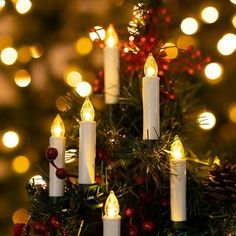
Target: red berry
(191, 71)
(54, 222)
(61, 173)
(139, 180)
(51, 153)
(148, 226)
(164, 202)
(132, 230)
(101, 154)
(190, 48)
(129, 212)
(39, 227)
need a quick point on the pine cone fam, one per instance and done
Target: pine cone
(221, 184)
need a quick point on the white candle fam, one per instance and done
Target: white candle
(111, 219)
(57, 140)
(151, 103)
(178, 182)
(111, 66)
(87, 144)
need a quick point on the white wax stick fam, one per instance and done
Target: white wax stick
(151, 108)
(56, 185)
(178, 190)
(111, 225)
(111, 74)
(87, 152)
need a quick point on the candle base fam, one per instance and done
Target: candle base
(151, 143)
(55, 200)
(178, 226)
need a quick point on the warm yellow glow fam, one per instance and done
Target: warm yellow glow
(38, 180)
(20, 216)
(233, 1)
(58, 127)
(36, 51)
(150, 66)
(73, 78)
(227, 44)
(2, 4)
(184, 41)
(22, 78)
(209, 15)
(99, 34)
(111, 39)
(189, 26)
(8, 56)
(84, 46)
(84, 89)
(23, 6)
(216, 161)
(20, 164)
(112, 207)
(171, 50)
(232, 112)
(206, 120)
(87, 112)
(234, 21)
(10, 139)
(213, 70)
(177, 149)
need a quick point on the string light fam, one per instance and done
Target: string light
(227, 44)
(189, 26)
(8, 56)
(10, 139)
(20, 164)
(84, 89)
(22, 78)
(84, 46)
(209, 15)
(23, 6)
(206, 120)
(98, 34)
(213, 70)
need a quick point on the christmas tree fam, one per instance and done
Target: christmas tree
(132, 159)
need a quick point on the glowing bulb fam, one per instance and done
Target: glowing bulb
(150, 66)
(189, 26)
(227, 44)
(10, 139)
(171, 50)
(20, 164)
(22, 78)
(8, 56)
(206, 120)
(84, 46)
(213, 71)
(84, 89)
(38, 180)
(2, 4)
(177, 149)
(87, 112)
(111, 39)
(58, 128)
(234, 21)
(23, 6)
(216, 161)
(99, 34)
(112, 207)
(209, 15)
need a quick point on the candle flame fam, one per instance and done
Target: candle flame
(112, 206)
(177, 149)
(111, 39)
(87, 112)
(58, 128)
(150, 66)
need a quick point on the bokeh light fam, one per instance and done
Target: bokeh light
(232, 112)
(206, 120)
(36, 50)
(234, 21)
(171, 50)
(84, 46)
(84, 89)
(99, 33)
(20, 216)
(10, 139)
(20, 164)
(184, 41)
(209, 15)
(213, 71)
(38, 180)
(8, 56)
(72, 77)
(189, 26)
(233, 1)
(227, 44)
(22, 78)
(2, 4)
(23, 6)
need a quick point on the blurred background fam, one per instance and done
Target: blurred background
(46, 51)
